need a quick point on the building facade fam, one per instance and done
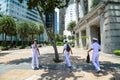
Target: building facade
(20, 13)
(102, 22)
(70, 15)
(49, 22)
(73, 12)
(61, 21)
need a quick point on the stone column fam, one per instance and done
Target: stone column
(88, 33)
(76, 44)
(102, 31)
(111, 27)
(80, 39)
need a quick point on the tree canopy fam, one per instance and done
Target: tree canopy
(71, 26)
(47, 7)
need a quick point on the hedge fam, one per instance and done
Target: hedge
(5, 47)
(117, 52)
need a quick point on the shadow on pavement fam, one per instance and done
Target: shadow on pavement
(19, 61)
(58, 75)
(3, 54)
(107, 68)
(78, 63)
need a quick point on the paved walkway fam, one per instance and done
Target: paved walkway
(16, 65)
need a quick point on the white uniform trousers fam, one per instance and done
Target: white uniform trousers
(95, 61)
(67, 60)
(35, 60)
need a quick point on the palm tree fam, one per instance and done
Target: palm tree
(12, 28)
(41, 30)
(33, 29)
(7, 27)
(71, 26)
(23, 30)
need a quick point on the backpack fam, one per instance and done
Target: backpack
(68, 48)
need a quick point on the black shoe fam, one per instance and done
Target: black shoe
(37, 68)
(40, 66)
(70, 67)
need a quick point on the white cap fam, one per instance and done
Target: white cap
(35, 40)
(94, 39)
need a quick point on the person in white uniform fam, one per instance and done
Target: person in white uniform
(95, 56)
(67, 50)
(35, 53)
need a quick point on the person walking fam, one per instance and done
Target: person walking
(35, 53)
(95, 56)
(67, 50)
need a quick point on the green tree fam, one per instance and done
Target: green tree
(23, 30)
(64, 37)
(69, 37)
(12, 28)
(71, 26)
(7, 27)
(41, 30)
(59, 37)
(33, 30)
(48, 7)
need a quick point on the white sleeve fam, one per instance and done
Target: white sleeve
(32, 45)
(92, 46)
(64, 46)
(37, 46)
(99, 47)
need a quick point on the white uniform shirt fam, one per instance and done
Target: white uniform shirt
(96, 47)
(34, 48)
(65, 46)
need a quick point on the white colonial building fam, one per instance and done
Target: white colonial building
(102, 22)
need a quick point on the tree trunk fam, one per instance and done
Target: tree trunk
(32, 36)
(11, 42)
(39, 38)
(16, 41)
(52, 41)
(5, 40)
(2, 37)
(22, 42)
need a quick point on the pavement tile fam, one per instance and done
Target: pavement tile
(16, 65)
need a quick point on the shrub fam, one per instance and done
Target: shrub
(48, 43)
(117, 52)
(59, 43)
(5, 47)
(21, 47)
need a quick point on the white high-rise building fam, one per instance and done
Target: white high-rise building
(73, 12)
(70, 15)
